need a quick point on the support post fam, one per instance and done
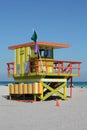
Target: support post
(71, 88)
(65, 90)
(34, 97)
(10, 97)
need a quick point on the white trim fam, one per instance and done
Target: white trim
(42, 80)
(53, 80)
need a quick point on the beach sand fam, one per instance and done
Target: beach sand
(44, 115)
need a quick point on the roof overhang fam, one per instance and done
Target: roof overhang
(41, 44)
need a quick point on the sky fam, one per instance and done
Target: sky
(60, 21)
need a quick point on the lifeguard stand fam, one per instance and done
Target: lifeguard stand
(39, 74)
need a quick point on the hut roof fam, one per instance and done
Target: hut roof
(40, 44)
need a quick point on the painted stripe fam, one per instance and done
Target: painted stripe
(22, 59)
(27, 53)
(36, 88)
(30, 51)
(25, 88)
(17, 56)
(14, 67)
(33, 88)
(39, 87)
(11, 87)
(30, 88)
(15, 62)
(21, 88)
(14, 88)
(18, 88)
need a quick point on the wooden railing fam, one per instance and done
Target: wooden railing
(48, 67)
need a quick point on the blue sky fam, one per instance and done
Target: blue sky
(60, 21)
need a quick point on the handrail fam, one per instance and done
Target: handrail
(61, 66)
(39, 66)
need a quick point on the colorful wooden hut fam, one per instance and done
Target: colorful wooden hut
(39, 74)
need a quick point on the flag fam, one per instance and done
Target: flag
(36, 48)
(34, 36)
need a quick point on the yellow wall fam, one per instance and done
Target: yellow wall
(22, 55)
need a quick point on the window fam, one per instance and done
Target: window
(26, 67)
(47, 53)
(42, 53)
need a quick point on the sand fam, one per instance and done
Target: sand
(70, 115)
